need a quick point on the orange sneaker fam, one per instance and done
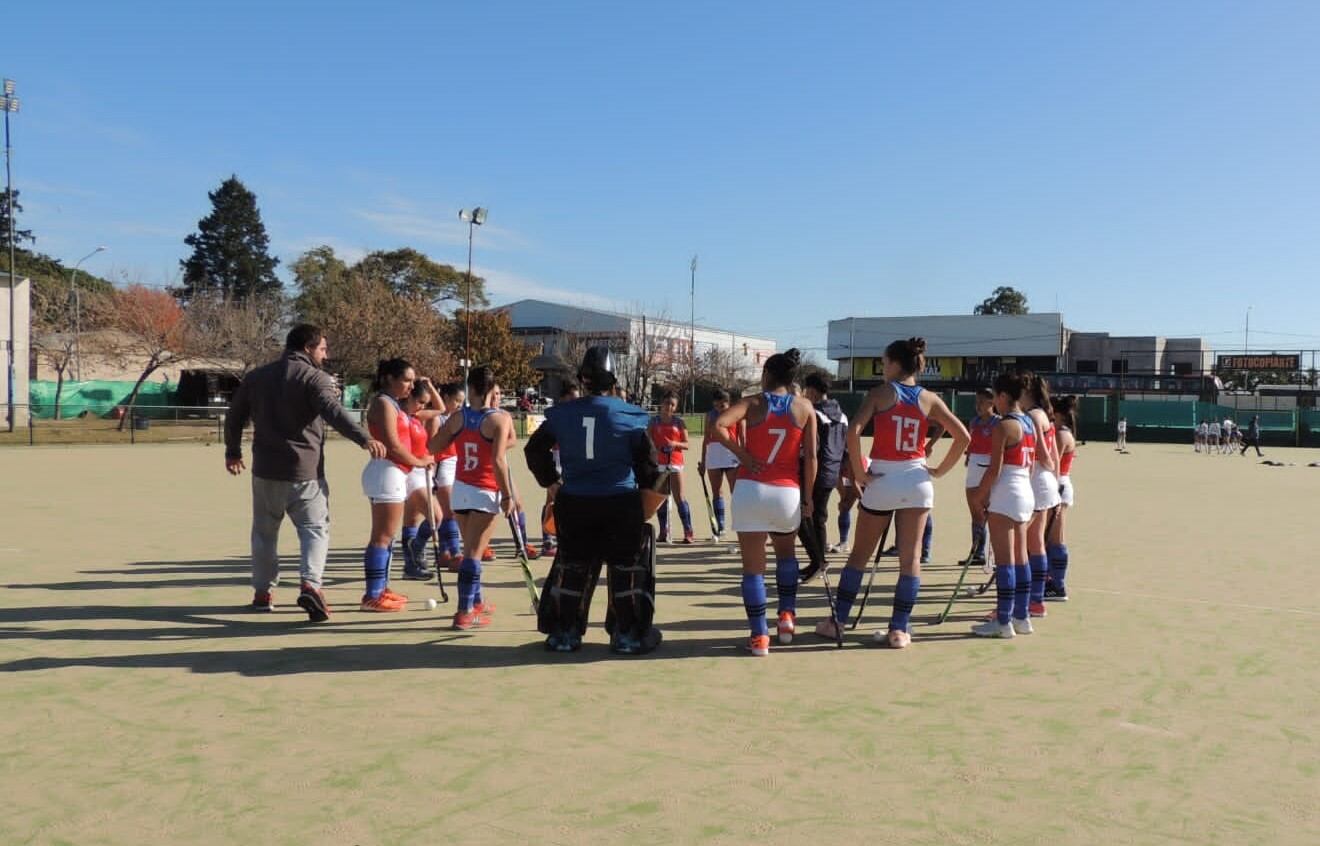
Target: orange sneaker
(759, 645)
(465, 620)
(787, 626)
(383, 603)
(484, 609)
(488, 554)
(392, 595)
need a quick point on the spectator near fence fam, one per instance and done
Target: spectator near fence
(1253, 436)
(289, 401)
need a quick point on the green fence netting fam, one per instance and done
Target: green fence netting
(99, 398)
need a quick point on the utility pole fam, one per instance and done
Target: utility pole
(10, 105)
(692, 329)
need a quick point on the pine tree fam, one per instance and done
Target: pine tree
(230, 257)
(20, 235)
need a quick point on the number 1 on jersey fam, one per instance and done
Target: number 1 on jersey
(589, 423)
(907, 433)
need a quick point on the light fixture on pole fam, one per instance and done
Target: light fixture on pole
(473, 219)
(9, 104)
(692, 340)
(77, 311)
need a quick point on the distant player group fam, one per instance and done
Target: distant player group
(780, 453)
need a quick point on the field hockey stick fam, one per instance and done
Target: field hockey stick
(710, 510)
(962, 577)
(435, 536)
(521, 542)
(875, 565)
(816, 556)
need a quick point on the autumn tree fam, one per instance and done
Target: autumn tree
(60, 319)
(319, 276)
(152, 332)
(236, 336)
(370, 322)
(494, 344)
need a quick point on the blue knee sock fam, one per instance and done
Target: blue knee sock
(786, 582)
(905, 596)
(1005, 592)
(1058, 555)
(845, 526)
(1022, 590)
(685, 515)
(753, 593)
(376, 567)
(850, 581)
(409, 537)
(424, 533)
(1040, 568)
(469, 583)
(927, 535)
(450, 537)
(719, 513)
(663, 516)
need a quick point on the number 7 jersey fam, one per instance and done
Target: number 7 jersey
(899, 432)
(776, 442)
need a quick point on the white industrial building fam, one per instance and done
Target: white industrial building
(15, 323)
(652, 351)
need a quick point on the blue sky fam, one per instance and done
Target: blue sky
(1151, 167)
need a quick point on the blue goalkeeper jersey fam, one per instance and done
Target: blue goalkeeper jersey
(599, 441)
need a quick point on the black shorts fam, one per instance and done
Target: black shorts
(605, 529)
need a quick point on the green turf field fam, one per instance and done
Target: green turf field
(1172, 701)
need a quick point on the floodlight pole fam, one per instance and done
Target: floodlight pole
(10, 104)
(692, 340)
(474, 218)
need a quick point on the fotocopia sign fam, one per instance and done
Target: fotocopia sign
(1273, 361)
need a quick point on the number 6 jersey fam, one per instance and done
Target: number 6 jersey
(900, 430)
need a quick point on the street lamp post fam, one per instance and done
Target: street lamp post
(9, 103)
(692, 339)
(77, 311)
(473, 219)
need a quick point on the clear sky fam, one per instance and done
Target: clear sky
(1151, 168)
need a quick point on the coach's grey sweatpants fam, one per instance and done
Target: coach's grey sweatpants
(308, 506)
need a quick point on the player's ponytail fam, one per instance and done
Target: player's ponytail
(1038, 391)
(480, 381)
(781, 368)
(909, 355)
(1013, 385)
(1065, 412)
(389, 370)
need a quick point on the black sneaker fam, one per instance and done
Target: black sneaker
(263, 600)
(807, 573)
(892, 552)
(563, 642)
(313, 602)
(418, 574)
(1055, 592)
(627, 644)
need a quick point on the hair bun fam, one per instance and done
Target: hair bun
(918, 345)
(794, 356)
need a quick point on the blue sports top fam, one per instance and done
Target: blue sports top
(599, 440)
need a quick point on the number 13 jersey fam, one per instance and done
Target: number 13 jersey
(900, 430)
(777, 442)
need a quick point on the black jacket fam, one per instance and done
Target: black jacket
(289, 401)
(831, 442)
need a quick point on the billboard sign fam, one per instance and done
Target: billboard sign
(1257, 362)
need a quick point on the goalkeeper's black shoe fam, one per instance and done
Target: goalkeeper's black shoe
(1055, 592)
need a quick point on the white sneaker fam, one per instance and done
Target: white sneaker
(893, 638)
(828, 628)
(1022, 627)
(991, 628)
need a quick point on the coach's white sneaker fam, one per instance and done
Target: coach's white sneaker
(991, 628)
(1022, 627)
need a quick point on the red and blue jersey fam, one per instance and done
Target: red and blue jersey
(981, 431)
(712, 416)
(402, 430)
(899, 432)
(417, 437)
(664, 434)
(476, 452)
(450, 451)
(777, 442)
(1022, 453)
(1065, 463)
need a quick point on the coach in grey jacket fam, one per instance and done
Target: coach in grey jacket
(289, 401)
